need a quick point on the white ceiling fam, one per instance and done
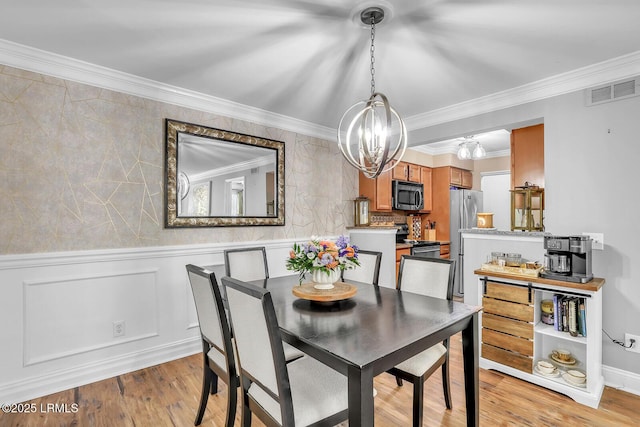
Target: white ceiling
(308, 59)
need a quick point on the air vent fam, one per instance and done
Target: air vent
(613, 91)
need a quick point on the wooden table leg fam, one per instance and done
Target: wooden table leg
(470, 362)
(360, 396)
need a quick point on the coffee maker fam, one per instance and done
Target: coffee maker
(568, 258)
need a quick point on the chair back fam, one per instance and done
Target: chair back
(258, 343)
(427, 276)
(369, 269)
(212, 319)
(246, 264)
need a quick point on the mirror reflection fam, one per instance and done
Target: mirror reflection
(222, 178)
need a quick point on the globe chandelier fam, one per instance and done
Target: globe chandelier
(465, 153)
(366, 130)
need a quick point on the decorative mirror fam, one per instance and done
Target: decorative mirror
(219, 178)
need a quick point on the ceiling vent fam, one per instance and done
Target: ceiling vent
(613, 91)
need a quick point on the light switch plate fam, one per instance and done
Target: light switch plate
(598, 240)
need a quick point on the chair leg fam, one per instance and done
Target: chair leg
(232, 401)
(446, 385)
(204, 396)
(418, 398)
(399, 381)
(214, 382)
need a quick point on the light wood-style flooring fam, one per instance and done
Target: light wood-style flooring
(168, 395)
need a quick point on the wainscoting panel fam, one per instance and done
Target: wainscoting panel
(58, 309)
(67, 316)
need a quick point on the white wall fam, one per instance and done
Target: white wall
(57, 312)
(591, 162)
(496, 198)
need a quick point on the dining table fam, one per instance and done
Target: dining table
(371, 332)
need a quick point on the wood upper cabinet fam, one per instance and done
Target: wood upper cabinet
(527, 156)
(406, 172)
(460, 177)
(467, 179)
(378, 191)
(425, 175)
(456, 176)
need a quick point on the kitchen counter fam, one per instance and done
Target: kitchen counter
(593, 285)
(505, 232)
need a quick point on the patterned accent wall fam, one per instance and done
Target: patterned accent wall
(82, 168)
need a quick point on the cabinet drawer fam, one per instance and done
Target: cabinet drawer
(504, 357)
(508, 326)
(444, 249)
(511, 293)
(508, 342)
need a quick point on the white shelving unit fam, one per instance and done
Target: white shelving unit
(587, 351)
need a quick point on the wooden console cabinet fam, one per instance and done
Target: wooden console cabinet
(514, 338)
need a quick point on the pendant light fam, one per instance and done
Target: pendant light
(465, 153)
(365, 129)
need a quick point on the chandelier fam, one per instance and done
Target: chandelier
(476, 151)
(366, 128)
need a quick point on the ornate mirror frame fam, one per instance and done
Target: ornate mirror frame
(173, 129)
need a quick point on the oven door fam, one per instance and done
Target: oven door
(431, 251)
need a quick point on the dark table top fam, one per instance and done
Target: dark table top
(377, 328)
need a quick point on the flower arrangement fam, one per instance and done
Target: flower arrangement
(323, 255)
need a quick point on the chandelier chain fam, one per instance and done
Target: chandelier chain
(373, 59)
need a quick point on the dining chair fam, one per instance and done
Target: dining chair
(304, 392)
(431, 277)
(249, 264)
(369, 269)
(246, 264)
(217, 348)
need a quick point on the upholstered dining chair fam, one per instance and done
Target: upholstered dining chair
(217, 348)
(431, 277)
(369, 269)
(246, 264)
(249, 264)
(304, 392)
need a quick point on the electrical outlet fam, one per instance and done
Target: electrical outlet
(118, 328)
(627, 343)
(597, 240)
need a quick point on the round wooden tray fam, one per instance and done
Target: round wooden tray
(340, 291)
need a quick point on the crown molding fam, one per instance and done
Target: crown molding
(43, 62)
(52, 64)
(614, 69)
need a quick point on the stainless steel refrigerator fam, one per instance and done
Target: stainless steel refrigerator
(465, 204)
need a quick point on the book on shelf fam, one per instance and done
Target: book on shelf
(570, 314)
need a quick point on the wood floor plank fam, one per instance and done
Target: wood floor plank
(168, 395)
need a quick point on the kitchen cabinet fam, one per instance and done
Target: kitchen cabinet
(514, 338)
(406, 172)
(377, 190)
(444, 250)
(527, 209)
(399, 253)
(527, 156)
(442, 178)
(467, 179)
(425, 175)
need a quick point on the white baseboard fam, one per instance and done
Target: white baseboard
(31, 388)
(621, 380)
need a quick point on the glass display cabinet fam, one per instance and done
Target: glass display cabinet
(527, 209)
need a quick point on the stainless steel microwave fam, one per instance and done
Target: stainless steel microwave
(407, 196)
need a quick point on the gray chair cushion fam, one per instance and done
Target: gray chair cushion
(317, 392)
(422, 362)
